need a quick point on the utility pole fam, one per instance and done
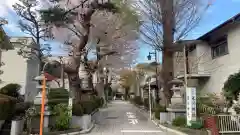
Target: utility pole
(185, 66)
(149, 99)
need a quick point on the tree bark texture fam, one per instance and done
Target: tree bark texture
(168, 36)
(72, 70)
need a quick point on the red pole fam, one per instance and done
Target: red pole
(42, 105)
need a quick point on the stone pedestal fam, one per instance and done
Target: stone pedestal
(46, 121)
(17, 127)
(38, 101)
(83, 75)
(83, 122)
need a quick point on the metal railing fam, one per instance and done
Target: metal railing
(228, 123)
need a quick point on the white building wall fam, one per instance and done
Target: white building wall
(20, 70)
(223, 66)
(14, 70)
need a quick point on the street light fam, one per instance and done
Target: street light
(149, 98)
(149, 58)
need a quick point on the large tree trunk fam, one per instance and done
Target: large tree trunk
(84, 17)
(167, 74)
(74, 81)
(74, 86)
(168, 36)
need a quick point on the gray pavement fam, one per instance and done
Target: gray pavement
(116, 120)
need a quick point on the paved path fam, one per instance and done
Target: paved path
(116, 118)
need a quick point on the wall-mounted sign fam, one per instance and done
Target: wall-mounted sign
(191, 105)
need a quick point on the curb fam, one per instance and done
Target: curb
(87, 130)
(159, 125)
(81, 132)
(168, 129)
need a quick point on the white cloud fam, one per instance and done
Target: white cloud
(6, 6)
(8, 13)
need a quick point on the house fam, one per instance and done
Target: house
(21, 69)
(210, 62)
(5, 45)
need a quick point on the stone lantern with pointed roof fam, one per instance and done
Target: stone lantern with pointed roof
(177, 106)
(38, 98)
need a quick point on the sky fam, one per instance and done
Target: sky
(220, 11)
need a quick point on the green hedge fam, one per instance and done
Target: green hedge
(146, 103)
(21, 107)
(179, 121)
(159, 109)
(77, 110)
(87, 107)
(11, 89)
(58, 93)
(138, 100)
(57, 96)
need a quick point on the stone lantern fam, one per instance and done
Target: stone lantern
(177, 106)
(84, 76)
(38, 99)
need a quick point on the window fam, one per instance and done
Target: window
(220, 49)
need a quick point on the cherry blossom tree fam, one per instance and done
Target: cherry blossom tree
(70, 22)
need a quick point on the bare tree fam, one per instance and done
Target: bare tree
(202, 63)
(31, 24)
(167, 21)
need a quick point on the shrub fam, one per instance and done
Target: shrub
(146, 103)
(11, 89)
(54, 102)
(96, 101)
(102, 101)
(57, 96)
(237, 108)
(58, 93)
(231, 88)
(198, 124)
(88, 106)
(21, 107)
(7, 105)
(179, 121)
(159, 109)
(63, 117)
(138, 100)
(99, 102)
(77, 110)
(157, 115)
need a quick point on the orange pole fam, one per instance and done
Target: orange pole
(42, 105)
